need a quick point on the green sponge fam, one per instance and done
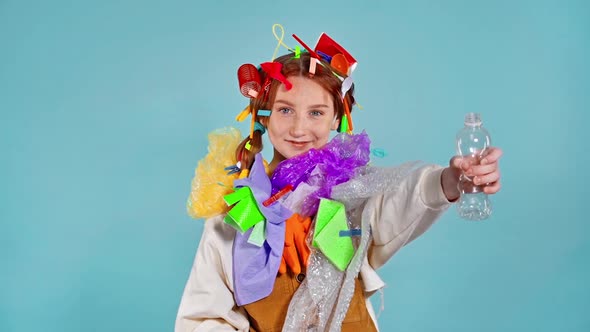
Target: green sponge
(330, 220)
(245, 213)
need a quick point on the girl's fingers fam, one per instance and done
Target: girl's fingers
(481, 170)
(456, 162)
(492, 155)
(488, 178)
(492, 188)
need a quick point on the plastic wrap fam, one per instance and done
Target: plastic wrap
(322, 300)
(369, 181)
(211, 181)
(322, 169)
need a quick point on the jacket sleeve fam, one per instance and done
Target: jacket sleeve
(400, 216)
(208, 303)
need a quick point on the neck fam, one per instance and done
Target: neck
(276, 159)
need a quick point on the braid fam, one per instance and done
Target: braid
(249, 147)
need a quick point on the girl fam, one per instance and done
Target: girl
(306, 260)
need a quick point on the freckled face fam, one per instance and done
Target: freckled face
(301, 118)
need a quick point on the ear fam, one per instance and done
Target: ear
(335, 123)
(263, 120)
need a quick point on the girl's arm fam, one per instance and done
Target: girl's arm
(207, 302)
(402, 215)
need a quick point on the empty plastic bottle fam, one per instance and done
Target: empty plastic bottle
(472, 141)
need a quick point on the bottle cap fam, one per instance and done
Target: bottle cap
(472, 119)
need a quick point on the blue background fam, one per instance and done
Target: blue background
(105, 107)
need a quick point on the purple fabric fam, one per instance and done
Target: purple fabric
(336, 163)
(255, 268)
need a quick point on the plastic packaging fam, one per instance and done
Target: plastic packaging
(323, 298)
(211, 181)
(472, 142)
(322, 169)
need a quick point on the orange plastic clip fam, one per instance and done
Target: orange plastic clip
(252, 123)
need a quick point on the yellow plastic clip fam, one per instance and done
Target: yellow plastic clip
(243, 114)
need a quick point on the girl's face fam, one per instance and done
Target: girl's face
(301, 118)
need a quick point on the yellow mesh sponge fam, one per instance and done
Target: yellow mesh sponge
(211, 181)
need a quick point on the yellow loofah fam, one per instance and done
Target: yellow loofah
(211, 181)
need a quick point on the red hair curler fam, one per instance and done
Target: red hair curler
(249, 80)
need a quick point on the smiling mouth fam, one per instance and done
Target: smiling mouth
(298, 144)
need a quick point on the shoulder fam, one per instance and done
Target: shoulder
(216, 247)
(217, 232)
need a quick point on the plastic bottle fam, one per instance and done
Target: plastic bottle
(472, 141)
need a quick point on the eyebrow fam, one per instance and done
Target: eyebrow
(280, 101)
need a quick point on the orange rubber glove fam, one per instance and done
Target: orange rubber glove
(296, 252)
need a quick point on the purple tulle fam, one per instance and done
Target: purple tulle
(333, 164)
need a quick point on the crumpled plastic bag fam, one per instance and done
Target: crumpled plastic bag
(211, 181)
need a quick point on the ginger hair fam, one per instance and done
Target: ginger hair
(324, 76)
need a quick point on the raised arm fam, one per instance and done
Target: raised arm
(400, 216)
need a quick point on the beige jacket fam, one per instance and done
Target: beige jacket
(208, 304)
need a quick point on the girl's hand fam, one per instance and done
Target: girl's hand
(486, 174)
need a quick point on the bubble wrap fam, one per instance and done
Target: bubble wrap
(211, 181)
(369, 181)
(322, 300)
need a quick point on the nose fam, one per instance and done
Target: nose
(298, 126)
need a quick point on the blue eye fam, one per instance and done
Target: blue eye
(316, 113)
(285, 110)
